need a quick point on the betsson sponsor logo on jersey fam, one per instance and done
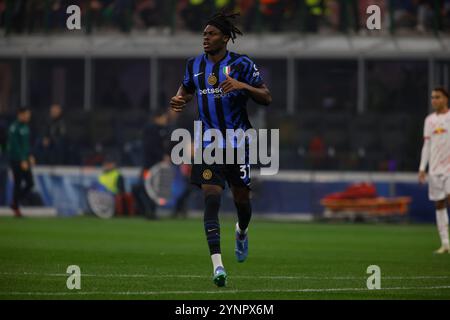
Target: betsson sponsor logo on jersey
(217, 92)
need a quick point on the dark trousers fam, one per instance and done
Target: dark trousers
(144, 204)
(23, 182)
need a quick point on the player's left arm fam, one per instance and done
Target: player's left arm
(260, 94)
(425, 154)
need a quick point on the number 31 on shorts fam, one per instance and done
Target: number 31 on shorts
(245, 171)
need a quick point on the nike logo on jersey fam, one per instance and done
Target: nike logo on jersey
(197, 74)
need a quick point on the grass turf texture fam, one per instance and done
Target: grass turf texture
(168, 259)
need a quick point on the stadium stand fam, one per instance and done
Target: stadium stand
(345, 128)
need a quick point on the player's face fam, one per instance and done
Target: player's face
(25, 117)
(107, 166)
(213, 40)
(438, 100)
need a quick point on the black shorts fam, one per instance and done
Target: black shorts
(216, 174)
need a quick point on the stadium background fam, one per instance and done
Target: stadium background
(349, 102)
(350, 105)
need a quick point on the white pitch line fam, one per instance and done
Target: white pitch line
(207, 277)
(145, 293)
(204, 276)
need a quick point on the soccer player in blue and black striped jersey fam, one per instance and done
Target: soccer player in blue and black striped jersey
(223, 82)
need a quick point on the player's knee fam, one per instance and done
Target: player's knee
(212, 202)
(211, 190)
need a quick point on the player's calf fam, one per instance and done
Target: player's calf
(442, 225)
(211, 222)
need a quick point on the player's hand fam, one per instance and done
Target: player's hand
(177, 103)
(24, 165)
(422, 177)
(231, 84)
(32, 160)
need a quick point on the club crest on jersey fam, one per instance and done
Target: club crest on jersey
(226, 70)
(212, 79)
(207, 174)
(439, 131)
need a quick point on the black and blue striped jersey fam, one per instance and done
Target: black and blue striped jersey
(219, 110)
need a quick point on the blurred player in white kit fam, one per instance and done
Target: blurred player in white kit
(436, 154)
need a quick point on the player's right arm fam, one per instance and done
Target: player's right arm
(186, 90)
(425, 155)
(179, 101)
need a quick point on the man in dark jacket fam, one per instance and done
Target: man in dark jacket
(155, 148)
(155, 139)
(20, 157)
(52, 144)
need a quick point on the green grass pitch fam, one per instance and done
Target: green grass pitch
(168, 259)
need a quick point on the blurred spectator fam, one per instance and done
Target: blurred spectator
(20, 158)
(332, 14)
(183, 120)
(314, 14)
(316, 150)
(425, 14)
(122, 14)
(272, 11)
(421, 15)
(112, 179)
(272, 15)
(196, 12)
(404, 13)
(446, 15)
(155, 148)
(149, 12)
(51, 148)
(57, 13)
(96, 12)
(248, 11)
(35, 15)
(349, 15)
(155, 139)
(224, 5)
(433, 14)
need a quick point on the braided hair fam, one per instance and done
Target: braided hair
(222, 21)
